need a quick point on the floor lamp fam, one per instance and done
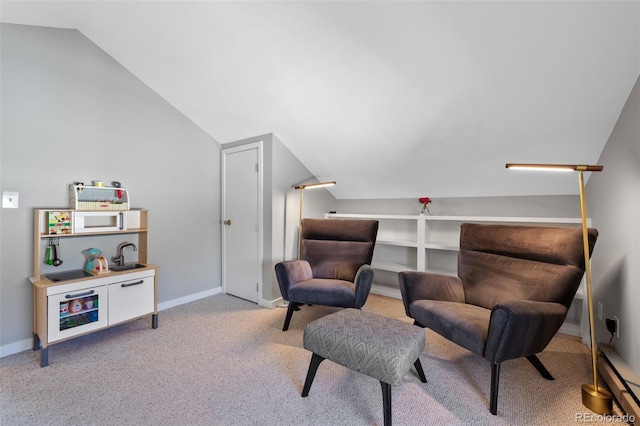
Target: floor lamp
(302, 187)
(595, 399)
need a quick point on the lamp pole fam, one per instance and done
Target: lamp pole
(595, 399)
(300, 223)
(302, 187)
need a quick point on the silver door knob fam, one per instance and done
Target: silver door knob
(227, 222)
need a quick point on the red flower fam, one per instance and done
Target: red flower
(424, 201)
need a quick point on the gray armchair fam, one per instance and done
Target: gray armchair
(334, 266)
(514, 287)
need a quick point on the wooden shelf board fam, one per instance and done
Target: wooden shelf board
(433, 218)
(370, 216)
(399, 243)
(442, 246)
(392, 266)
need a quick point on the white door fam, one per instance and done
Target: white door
(241, 215)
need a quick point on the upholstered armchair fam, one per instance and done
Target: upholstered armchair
(334, 268)
(514, 287)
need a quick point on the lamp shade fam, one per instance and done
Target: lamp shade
(558, 167)
(315, 185)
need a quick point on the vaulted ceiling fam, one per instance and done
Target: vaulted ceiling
(391, 99)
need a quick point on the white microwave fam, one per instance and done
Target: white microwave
(86, 222)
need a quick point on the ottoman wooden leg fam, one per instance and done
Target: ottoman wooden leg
(313, 367)
(293, 306)
(386, 402)
(420, 371)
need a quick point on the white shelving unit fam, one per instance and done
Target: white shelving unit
(431, 243)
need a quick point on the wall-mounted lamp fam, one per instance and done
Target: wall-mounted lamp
(595, 399)
(302, 187)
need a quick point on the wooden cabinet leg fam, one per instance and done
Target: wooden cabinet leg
(36, 342)
(44, 357)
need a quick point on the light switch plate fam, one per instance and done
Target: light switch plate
(10, 200)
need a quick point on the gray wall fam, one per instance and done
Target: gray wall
(72, 113)
(613, 200)
(287, 171)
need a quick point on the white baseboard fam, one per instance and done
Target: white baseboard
(190, 298)
(27, 344)
(17, 347)
(571, 329)
(386, 291)
(271, 303)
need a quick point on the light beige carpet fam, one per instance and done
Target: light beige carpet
(225, 361)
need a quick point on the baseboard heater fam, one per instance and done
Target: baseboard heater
(623, 382)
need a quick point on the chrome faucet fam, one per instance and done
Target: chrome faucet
(118, 259)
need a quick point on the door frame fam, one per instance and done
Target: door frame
(223, 206)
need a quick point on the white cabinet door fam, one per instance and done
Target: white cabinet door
(131, 299)
(76, 312)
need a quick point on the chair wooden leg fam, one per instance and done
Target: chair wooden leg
(420, 371)
(313, 367)
(495, 376)
(292, 307)
(540, 367)
(386, 403)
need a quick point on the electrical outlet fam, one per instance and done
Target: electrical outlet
(617, 321)
(600, 309)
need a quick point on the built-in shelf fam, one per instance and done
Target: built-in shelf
(431, 243)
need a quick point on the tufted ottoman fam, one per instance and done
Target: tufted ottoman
(380, 347)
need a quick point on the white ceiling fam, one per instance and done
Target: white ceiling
(391, 99)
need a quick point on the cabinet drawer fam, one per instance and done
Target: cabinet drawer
(131, 299)
(76, 312)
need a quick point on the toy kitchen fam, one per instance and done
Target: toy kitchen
(90, 267)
